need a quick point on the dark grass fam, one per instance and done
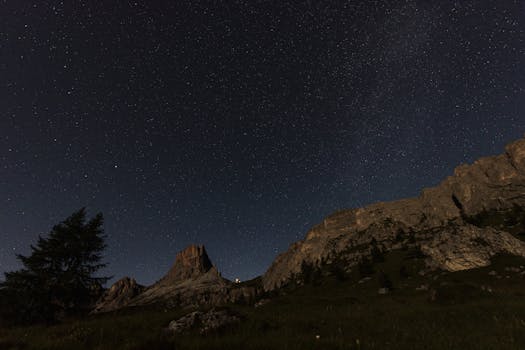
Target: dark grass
(344, 314)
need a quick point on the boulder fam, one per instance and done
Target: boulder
(465, 247)
(383, 291)
(204, 322)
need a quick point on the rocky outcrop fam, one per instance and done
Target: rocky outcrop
(465, 247)
(119, 295)
(192, 281)
(490, 184)
(191, 263)
(204, 322)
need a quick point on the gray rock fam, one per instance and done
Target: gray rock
(204, 322)
(185, 323)
(383, 291)
(465, 247)
(423, 287)
(487, 289)
(363, 280)
(190, 263)
(261, 302)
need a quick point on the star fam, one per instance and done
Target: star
(240, 128)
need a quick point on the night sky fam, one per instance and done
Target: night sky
(241, 124)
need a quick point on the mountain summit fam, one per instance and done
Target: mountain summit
(190, 263)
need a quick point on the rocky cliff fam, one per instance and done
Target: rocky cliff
(192, 281)
(438, 222)
(191, 263)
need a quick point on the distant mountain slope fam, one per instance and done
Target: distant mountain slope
(192, 281)
(444, 222)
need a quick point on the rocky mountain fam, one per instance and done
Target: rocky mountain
(191, 263)
(460, 224)
(192, 281)
(444, 222)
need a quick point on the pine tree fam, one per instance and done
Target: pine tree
(59, 277)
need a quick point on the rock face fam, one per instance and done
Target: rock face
(465, 247)
(208, 288)
(192, 281)
(191, 263)
(119, 295)
(436, 220)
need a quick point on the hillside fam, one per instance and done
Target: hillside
(445, 270)
(443, 222)
(482, 308)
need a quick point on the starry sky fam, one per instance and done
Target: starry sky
(240, 124)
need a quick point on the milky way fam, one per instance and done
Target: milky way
(241, 125)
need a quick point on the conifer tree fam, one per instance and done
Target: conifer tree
(59, 277)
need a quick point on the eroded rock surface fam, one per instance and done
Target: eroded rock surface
(490, 184)
(465, 247)
(191, 263)
(192, 281)
(119, 295)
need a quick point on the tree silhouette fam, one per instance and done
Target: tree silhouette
(58, 277)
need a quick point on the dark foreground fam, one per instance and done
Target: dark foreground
(477, 309)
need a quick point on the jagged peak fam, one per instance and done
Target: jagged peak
(190, 263)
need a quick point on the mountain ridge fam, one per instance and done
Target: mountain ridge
(494, 183)
(441, 223)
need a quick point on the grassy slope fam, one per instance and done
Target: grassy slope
(345, 315)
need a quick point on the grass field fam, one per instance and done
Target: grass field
(462, 310)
